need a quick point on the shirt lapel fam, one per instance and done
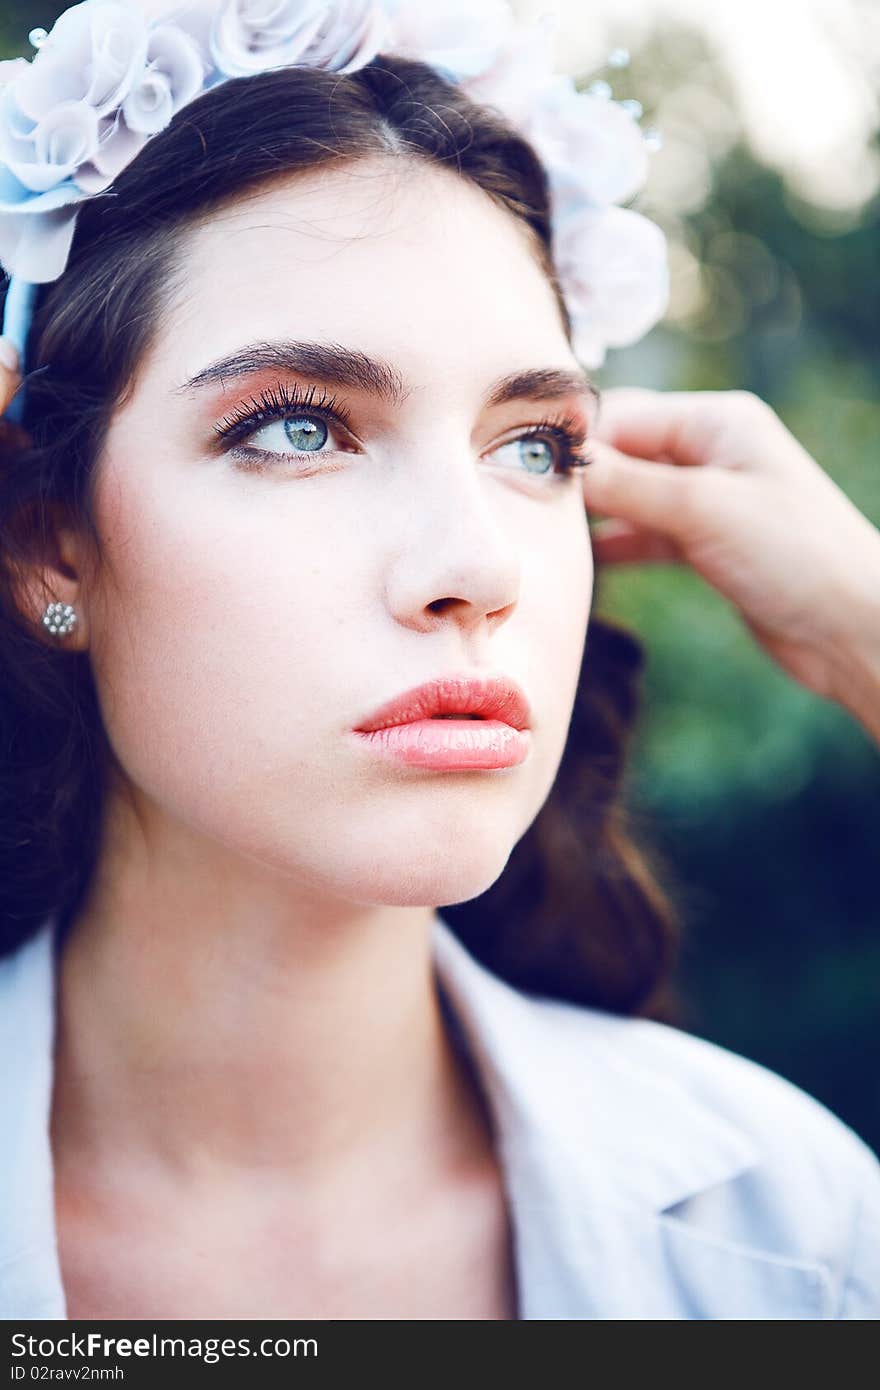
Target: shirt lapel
(30, 1278)
(598, 1149)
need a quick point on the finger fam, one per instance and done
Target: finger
(678, 426)
(735, 430)
(617, 542)
(657, 497)
(9, 373)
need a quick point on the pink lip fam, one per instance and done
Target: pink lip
(403, 729)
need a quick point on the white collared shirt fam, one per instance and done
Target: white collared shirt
(650, 1174)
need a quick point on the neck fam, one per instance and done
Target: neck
(208, 1028)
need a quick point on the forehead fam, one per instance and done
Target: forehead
(407, 260)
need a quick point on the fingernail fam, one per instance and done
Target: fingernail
(8, 354)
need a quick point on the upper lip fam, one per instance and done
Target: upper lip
(493, 697)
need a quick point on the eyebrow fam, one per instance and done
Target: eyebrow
(341, 366)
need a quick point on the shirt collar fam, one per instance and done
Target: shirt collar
(603, 1138)
(563, 1079)
(30, 1282)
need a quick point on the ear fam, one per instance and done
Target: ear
(59, 575)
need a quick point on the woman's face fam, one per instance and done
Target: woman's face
(253, 609)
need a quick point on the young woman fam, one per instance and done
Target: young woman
(303, 435)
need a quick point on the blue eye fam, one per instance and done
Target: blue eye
(305, 432)
(554, 447)
(535, 453)
(291, 435)
(280, 409)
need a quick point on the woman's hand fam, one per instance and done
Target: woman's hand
(714, 479)
(9, 374)
(10, 380)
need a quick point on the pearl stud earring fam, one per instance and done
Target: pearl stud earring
(59, 618)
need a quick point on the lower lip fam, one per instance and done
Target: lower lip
(451, 743)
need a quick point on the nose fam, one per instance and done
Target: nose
(457, 559)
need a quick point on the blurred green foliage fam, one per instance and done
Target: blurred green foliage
(17, 18)
(764, 798)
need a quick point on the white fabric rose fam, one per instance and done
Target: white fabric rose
(250, 36)
(351, 34)
(192, 17)
(613, 267)
(92, 54)
(174, 74)
(11, 68)
(519, 71)
(117, 146)
(463, 37)
(35, 161)
(43, 154)
(592, 148)
(54, 110)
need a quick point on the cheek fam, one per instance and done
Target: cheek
(214, 631)
(555, 600)
(560, 584)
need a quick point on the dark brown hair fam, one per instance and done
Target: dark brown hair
(578, 912)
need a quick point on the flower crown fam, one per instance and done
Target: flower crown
(109, 76)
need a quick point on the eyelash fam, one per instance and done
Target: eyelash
(282, 400)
